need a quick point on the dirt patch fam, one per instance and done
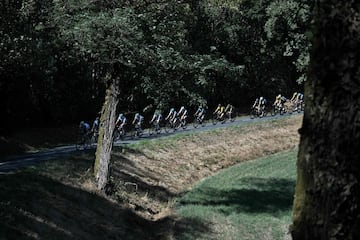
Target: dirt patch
(148, 176)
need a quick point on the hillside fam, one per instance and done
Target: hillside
(58, 199)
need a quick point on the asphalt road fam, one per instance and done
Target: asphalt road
(14, 163)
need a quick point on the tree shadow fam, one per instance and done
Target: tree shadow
(37, 207)
(124, 170)
(272, 196)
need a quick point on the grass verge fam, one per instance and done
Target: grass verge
(251, 200)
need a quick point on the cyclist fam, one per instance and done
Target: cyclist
(200, 113)
(299, 100)
(300, 97)
(277, 101)
(182, 114)
(256, 103)
(84, 128)
(121, 121)
(156, 118)
(95, 125)
(229, 110)
(219, 111)
(172, 116)
(262, 104)
(294, 97)
(282, 101)
(138, 119)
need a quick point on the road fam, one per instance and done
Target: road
(13, 163)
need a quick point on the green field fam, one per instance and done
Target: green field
(251, 200)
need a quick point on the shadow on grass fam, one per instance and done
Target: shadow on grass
(124, 170)
(37, 207)
(261, 195)
(191, 228)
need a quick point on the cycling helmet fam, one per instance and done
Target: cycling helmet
(261, 98)
(121, 115)
(172, 109)
(82, 123)
(182, 108)
(136, 115)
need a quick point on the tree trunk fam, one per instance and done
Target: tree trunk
(327, 197)
(104, 146)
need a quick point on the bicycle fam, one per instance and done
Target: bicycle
(278, 109)
(199, 120)
(257, 112)
(119, 133)
(174, 125)
(83, 141)
(216, 118)
(154, 128)
(228, 116)
(138, 132)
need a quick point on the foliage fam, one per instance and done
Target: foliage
(57, 56)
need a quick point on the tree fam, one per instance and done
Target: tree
(327, 197)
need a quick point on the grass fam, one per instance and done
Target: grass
(58, 199)
(55, 201)
(251, 200)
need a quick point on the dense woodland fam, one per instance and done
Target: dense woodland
(56, 57)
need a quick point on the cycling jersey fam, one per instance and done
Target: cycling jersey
(157, 117)
(138, 119)
(172, 114)
(220, 109)
(200, 111)
(300, 96)
(95, 126)
(84, 127)
(121, 119)
(183, 112)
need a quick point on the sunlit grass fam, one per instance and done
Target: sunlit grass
(251, 200)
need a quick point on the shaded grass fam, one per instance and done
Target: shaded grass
(50, 201)
(252, 200)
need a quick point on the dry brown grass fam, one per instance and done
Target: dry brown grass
(172, 165)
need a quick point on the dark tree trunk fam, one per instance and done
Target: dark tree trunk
(104, 146)
(327, 198)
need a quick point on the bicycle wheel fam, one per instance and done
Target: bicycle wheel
(253, 114)
(196, 123)
(203, 123)
(152, 130)
(116, 135)
(167, 127)
(214, 120)
(232, 118)
(183, 124)
(87, 142)
(273, 111)
(93, 139)
(79, 143)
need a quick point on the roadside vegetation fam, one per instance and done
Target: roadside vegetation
(59, 199)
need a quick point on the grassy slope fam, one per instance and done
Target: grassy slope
(53, 201)
(57, 199)
(165, 168)
(251, 200)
